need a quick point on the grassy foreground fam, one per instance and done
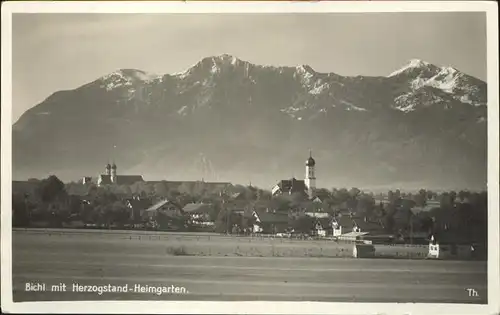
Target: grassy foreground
(216, 245)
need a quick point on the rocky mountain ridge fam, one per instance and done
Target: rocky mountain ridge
(420, 125)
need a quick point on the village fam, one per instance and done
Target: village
(293, 208)
(279, 158)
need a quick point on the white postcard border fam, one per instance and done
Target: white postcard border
(195, 307)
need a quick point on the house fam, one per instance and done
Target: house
(363, 251)
(166, 215)
(199, 213)
(269, 222)
(290, 186)
(362, 224)
(450, 246)
(323, 227)
(166, 207)
(272, 204)
(349, 223)
(342, 224)
(319, 199)
(137, 206)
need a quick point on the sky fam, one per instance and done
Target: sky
(52, 52)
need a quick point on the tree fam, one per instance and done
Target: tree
(104, 197)
(408, 204)
(397, 194)
(427, 225)
(390, 196)
(463, 195)
(199, 190)
(50, 189)
(265, 195)
(250, 193)
(161, 189)
(214, 212)
(465, 214)
(354, 192)
(282, 203)
(323, 194)
(226, 220)
(431, 195)
(296, 199)
(446, 201)
(142, 188)
(76, 188)
(453, 197)
(389, 222)
(174, 195)
(20, 210)
(366, 205)
(334, 195)
(379, 210)
(74, 204)
(421, 198)
(123, 190)
(341, 195)
(118, 213)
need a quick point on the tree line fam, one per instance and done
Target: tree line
(53, 202)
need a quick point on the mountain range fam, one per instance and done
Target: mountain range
(422, 126)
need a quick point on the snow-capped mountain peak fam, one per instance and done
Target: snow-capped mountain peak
(132, 74)
(439, 85)
(214, 64)
(412, 65)
(446, 79)
(305, 69)
(126, 77)
(449, 70)
(261, 111)
(420, 84)
(306, 74)
(226, 58)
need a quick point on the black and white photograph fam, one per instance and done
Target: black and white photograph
(249, 156)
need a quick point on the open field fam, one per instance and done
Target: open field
(119, 258)
(210, 244)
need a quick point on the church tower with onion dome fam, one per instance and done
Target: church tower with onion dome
(108, 170)
(114, 177)
(310, 179)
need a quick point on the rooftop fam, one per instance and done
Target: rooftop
(271, 217)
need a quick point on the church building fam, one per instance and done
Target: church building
(306, 186)
(110, 177)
